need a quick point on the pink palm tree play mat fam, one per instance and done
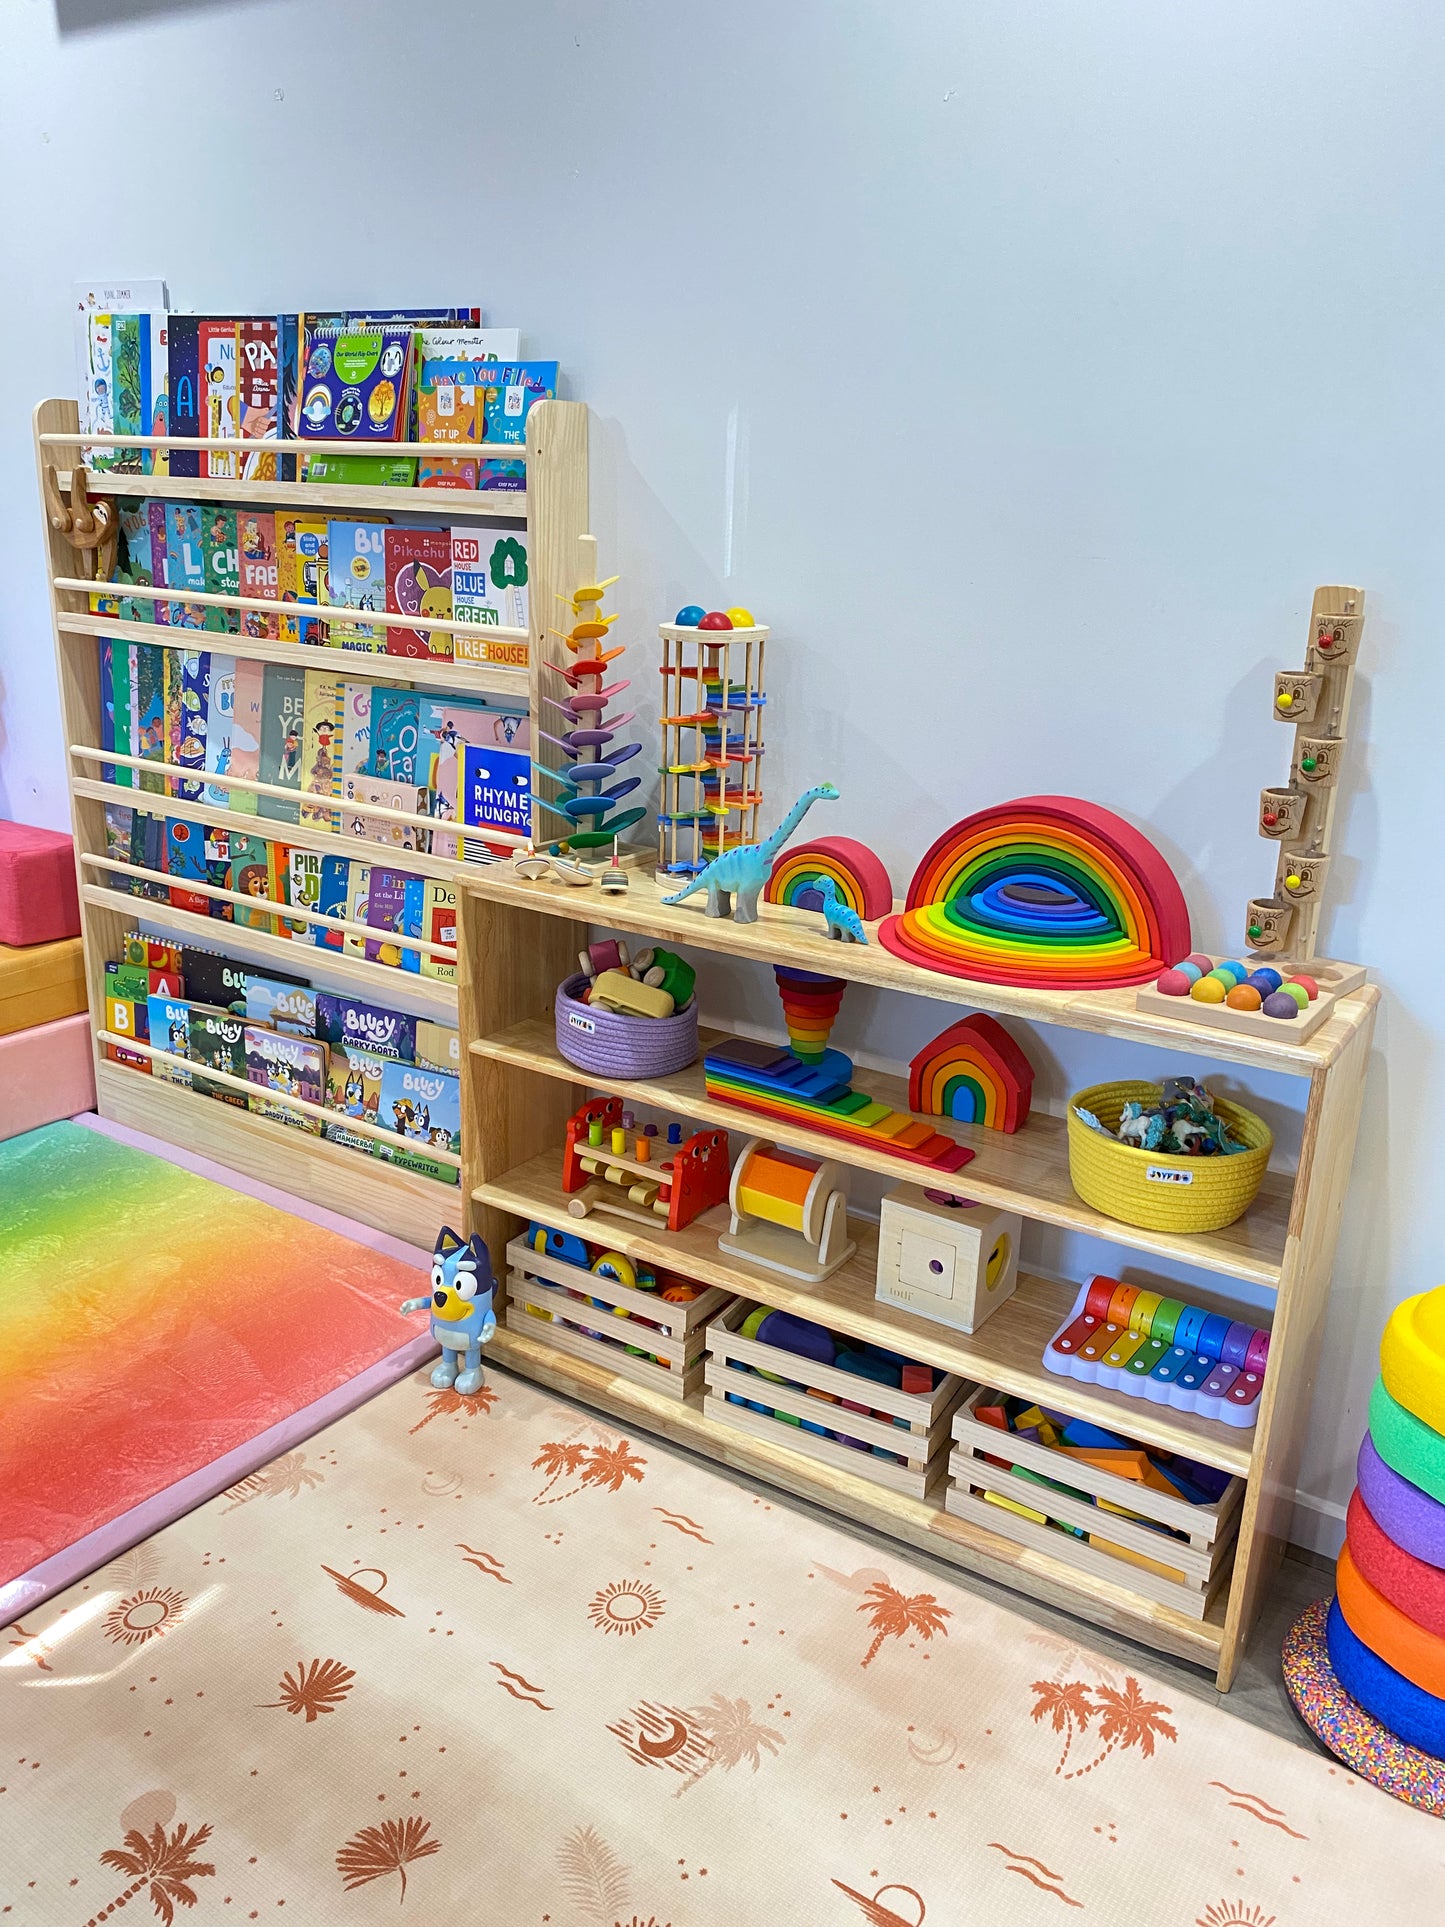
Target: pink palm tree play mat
(498, 1664)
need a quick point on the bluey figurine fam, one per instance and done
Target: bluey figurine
(462, 1319)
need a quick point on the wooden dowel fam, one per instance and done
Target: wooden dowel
(250, 445)
(302, 1104)
(289, 913)
(332, 613)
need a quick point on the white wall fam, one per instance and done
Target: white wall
(1060, 350)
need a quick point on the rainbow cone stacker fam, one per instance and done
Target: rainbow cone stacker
(811, 1086)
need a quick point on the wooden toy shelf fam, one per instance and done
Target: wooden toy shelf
(553, 508)
(518, 940)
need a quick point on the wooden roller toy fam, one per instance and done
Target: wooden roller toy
(789, 1212)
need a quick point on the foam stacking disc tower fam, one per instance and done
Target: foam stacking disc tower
(1046, 891)
(1366, 1670)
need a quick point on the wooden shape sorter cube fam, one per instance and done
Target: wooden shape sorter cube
(956, 1263)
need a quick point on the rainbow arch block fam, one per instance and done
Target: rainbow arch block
(863, 883)
(1046, 891)
(975, 1073)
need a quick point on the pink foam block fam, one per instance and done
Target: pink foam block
(38, 901)
(47, 1073)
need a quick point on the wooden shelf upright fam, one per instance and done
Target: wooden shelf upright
(519, 939)
(554, 510)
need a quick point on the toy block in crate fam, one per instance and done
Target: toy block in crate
(803, 1401)
(668, 1359)
(1182, 1572)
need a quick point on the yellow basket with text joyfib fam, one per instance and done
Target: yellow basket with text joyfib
(1162, 1191)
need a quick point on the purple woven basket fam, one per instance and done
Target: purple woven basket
(611, 1044)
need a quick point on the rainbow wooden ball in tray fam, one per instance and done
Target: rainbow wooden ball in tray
(1160, 1349)
(1256, 1000)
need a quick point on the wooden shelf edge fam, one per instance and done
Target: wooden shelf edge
(530, 1046)
(917, 1522)
(444, 504)
(1005, 1354)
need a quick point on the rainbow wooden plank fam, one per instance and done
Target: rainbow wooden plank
(975, 1073)
(1046, 891)
(863, 883)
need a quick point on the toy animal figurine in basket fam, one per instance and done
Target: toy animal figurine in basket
(460, 1303)
(1170, 1158)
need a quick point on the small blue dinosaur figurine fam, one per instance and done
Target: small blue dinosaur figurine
(842, 919)
(460, 1302)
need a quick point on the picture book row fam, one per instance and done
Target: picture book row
(271, 1029)
(428, 376)
(390, 901)
(458, 759)
(455, 574)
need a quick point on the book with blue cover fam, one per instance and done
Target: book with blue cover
(356, 579)
(356, 385)
(425, 1107)
(510, 390)
(496, 789)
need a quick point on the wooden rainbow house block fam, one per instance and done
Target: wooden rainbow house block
(973, 1072)
(955, 1263)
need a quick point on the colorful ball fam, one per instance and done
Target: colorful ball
(1244, 997)
(1293, 882)
(1174, 983)
(1284, 700)
(742, 618)
(1307, 984)
(1200, 961)
(690, 617)
(715, 619)
(1298, 992)
(1279, 1005)
(1188, 970)
(1233, 963)
(1264, 979)
(1209, 990)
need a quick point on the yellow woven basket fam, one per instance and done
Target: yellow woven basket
(1163, 1191)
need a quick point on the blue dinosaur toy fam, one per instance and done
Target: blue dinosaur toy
(460, 1302)
(735, 878)
(842, 919)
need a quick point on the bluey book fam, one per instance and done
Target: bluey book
(355, 728)
(394, 908)
(353, 1089)
(496, 790)
(283, 727)
(249, 876)
(303, 888)
(390, 796)
(370, 1027)
(220, 720)
(439, 925)
(185, 389)
(321, 745)
(214, 979)
(419, 583)
(509, 396)
(193, 705)
(185, 562)
(356, 580)
(445, 726)
(186, 863)
(220, 394)
(424, 1106)
(150, 712)
(169, 1022)
(334, 899)
(282, 1006)
(395, 739)
(357, 383)
(222, 556)
(246, 730)
(490, 572)
(256, 543)
(438, 1047)
(218, 1040)
(290, 1066)
(258, 380)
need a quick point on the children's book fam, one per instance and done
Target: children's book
(282, 1006)
(98, 391)
(311, 535)
(395, 742)
(389, 796)
(169, 1023)
(185, 562)
(424, 1106)
(249, 876)
(288, 573)
(448, 407)
(135, 536)
(218, 869)
(258, 381)
(278, 877)
(353, 1089)
(148, 849)
(446, 725)
(355, 728)
(256, 542)
(155, 513)
(357, 384)
(321, 745)
(151, 953)
(171, 677)
(246, 730)
(438, 1047)
(220, 720)
(121, 340)
(356, 579)
(186, 863)
(283, 726)
(394, 907)
(185, 389)
(490, 570)
(192, 708)
(157, 461)
(334, 898)
(496, 790)
(218, 1040)
(370, 1027)
(419, 583)
(303, 888)
(220, 393)
(122, 693)
(102, 297)
(358, 894)
(214, 979)
(140, 981)
(368, 471)
(439, 925)
(508, 396)
(105, 650)
(223, 565)
(290, 1066)
(150, 712)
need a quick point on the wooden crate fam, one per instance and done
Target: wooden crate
(1201, 1561)
(536, 1280)
(924, 1444)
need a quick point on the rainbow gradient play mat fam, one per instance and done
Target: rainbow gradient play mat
(160, 1336)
